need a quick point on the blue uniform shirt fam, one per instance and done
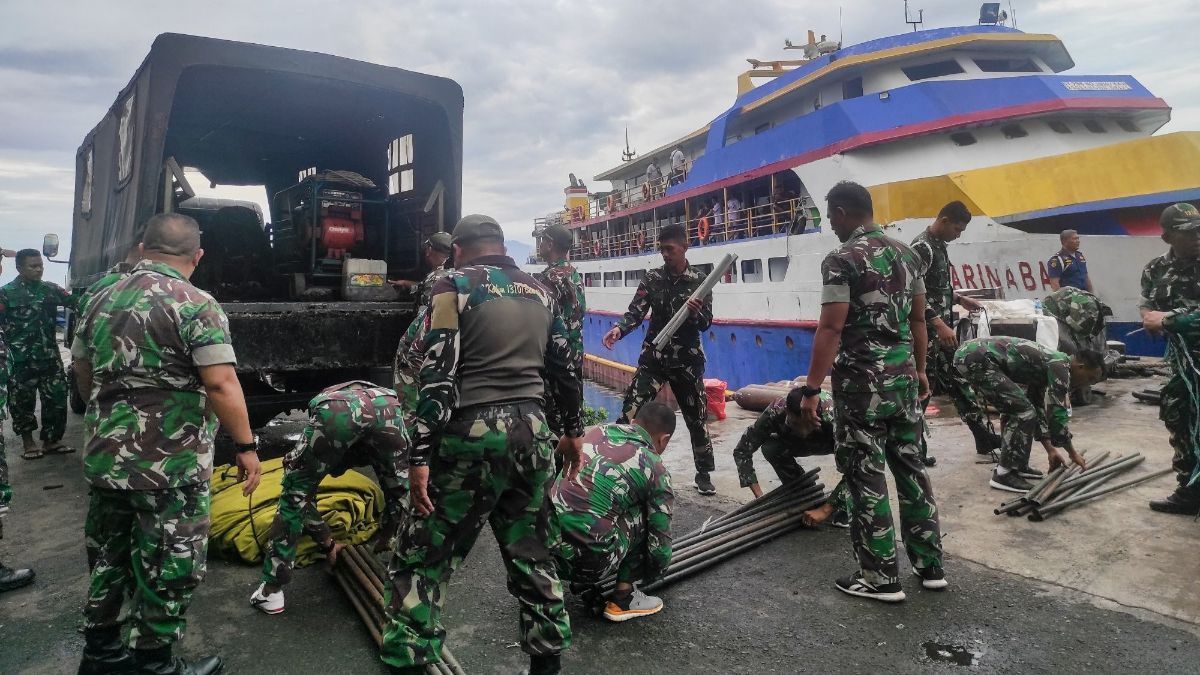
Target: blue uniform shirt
(1069, 268)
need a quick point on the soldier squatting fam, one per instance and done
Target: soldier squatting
(472, 433)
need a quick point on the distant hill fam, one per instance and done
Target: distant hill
(518, 250)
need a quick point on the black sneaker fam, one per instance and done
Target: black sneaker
(1010, 481)
(855, 585)
(933, 578)
(929, 461)
(839, 519)
(1174, 503)
(1030, 473)
(704, 485)
(12, 579)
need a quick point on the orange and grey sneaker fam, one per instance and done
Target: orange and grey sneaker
(633, 606)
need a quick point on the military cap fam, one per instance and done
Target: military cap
(440, 241)
(558, 234)
(1182, 217)
(477, 226)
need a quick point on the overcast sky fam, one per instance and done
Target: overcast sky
(550, 87)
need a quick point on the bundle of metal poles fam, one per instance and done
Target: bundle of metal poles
(756, 522)
(361, 577)
(1067, 486)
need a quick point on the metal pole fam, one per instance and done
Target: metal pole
(1041, 513)
(1113, 488)
(1118, 467)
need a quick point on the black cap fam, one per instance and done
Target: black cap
(439, 242)
(477, 226)
(1182, 217)
(558, 234)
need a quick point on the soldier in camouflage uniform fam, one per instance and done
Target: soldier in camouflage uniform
(28, 308)
(1171, 304)
(411, 350)
(349, 424)
(680, 364)
(874, 297)
(1029, 385)
(10, 578)
(940, 297)
(616, 518)
(566, 287)
(154, 353)
(482, 451)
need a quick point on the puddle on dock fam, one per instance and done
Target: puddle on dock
(958, 655)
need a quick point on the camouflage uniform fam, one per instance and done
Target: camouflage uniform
(111, 277)
(348, 425)
(939, 363)
(149, 453)
(407, 365)
(5, 486)
(1172, 284)
(1080, 313)
(566, 287)
(875, 402)
(1022, 379)
(36, 369)
(616, 518)
(482, 431)
(681, 363)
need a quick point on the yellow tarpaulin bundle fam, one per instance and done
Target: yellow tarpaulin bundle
(351, 504)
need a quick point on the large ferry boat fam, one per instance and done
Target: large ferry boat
(985, 114)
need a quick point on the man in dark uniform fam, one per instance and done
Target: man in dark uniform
(1068, 267)
(873, 303)
(482, 451)
(1171, 305)
(940, 297)
(566, 286)
(680, 364)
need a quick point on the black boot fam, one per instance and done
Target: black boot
(1182, 501)
(160, 662)
(103, 652)
(11, 579)
(547, 664)
(985, 440)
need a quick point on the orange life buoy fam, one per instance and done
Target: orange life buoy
(646, 191)
(703, 228)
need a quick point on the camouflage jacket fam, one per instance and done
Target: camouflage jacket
(425, 288)
(3, 380)
(623, 479)
(467, 349)
(111, 277)
(879, 277)
(369, 408)
(772, 425)
(29, 309)
(1170, 284)
(566, 286)
(1044, 372)
(661, 294)
(939, 293)
(148, 422)
(1079, 311)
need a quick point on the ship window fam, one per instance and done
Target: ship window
(125, 140)
(777, 268)
(935, 69)
(612, 279)
(1060, 127)
(752, 271)
(705, 268)
(762, 127)
(1014, 131)
(591, 279)
(1094, 126)
(852, 88)
(85, 194)
(634, 277)
(963, 138)
(310, 171)
(1007, 66)
(1128, 125)
(400, 165)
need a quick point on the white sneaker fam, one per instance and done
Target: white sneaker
(269, 604)
(640, 605)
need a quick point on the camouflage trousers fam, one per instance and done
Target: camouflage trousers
(874, 429)
(1018, 416)
(494, 466)
(151, 546)
(406, 367)
(687, 384)
(1179, 416)
(29, 381)
(946, 379)
(332, 443)
(626, 558)
(5, 487)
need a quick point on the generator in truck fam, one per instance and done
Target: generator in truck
(358, 164)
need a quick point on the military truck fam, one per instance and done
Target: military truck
(360, 164)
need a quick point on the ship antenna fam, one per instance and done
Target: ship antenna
(627, 154)
(908, 20)
(841, 28)
(1012, 14)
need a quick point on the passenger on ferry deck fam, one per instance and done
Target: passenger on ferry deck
(718, 222)
(733, 219)
(653, 178)
(677, 166)
(1068, 267)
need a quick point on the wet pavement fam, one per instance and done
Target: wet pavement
(1092, 590)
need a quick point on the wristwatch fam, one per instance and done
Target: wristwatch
(252, 446)
(808, 391)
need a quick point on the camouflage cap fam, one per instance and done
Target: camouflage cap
(439, 242)
(1182, 217)
(477, 226)
(558, 234)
